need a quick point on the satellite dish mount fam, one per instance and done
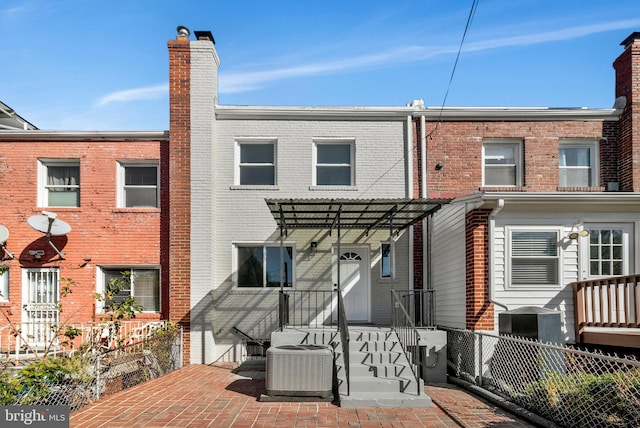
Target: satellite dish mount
(50, 225)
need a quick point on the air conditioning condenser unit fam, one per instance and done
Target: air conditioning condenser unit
(299, 370)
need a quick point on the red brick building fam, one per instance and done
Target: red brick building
(106, 195)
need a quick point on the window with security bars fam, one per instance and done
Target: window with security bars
(606, 252)
(257, 165)
(502, 164)
(60, 183)
(259, 266)
(143, 285)
(139, 185)
(535, 259)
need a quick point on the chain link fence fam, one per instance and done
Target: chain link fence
(89, 374)
(569, 387)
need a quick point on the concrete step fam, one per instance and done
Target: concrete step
(381, 357)
(373, 346)
(377, 399)
(382, 385)
(380, 335)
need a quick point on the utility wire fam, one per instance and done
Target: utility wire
(472, 13)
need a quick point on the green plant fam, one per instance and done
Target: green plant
(3, 268)
(119, 305)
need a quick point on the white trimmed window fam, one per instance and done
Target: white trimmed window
(334, 163)
(59, 183)
(4, 286)
(258, 265)
(386, 260)
(534, 257)
(138, 184)
(577, 163)
(256, 162)
(144, 286)
(502, 161)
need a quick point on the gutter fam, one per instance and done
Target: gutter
(38, 135)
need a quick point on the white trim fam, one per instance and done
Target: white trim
(594, 158)
(100, 284)
(4, 286)
(43, 175)
(238, 141)
(628, 245)
(121, 166)
(263, 244)
(514, 143)
(352, 161)
(509, 229)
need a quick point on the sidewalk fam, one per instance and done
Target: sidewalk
(219, 396)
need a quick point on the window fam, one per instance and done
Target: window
(256, 163)
(385, 260)
(334, 164)
(606, 252)
(4, 286)
(576, 164)
(502, 166)
(139, 185)
(60, 183)
(535, 258)
(143, 286)
(259, 266)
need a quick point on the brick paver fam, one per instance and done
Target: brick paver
(219, 396)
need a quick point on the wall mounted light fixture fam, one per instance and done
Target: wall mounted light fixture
(578, 231)
(313, 248)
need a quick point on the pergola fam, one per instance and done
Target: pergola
(338, 214)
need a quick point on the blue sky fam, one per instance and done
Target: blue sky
(96, 65)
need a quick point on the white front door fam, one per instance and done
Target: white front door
(40, 297)
(354, 282)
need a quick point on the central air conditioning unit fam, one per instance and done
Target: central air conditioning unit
(299, 370)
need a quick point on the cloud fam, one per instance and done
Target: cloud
(244, 82)
(145, 93)
(236, 82)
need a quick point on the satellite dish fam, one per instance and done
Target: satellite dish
(4, 235)
(48, 224)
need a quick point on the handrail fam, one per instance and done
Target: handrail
(408, 336)
(420, 303)
(343, 328)
(606, 302)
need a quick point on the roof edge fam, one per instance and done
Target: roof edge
(82, 135)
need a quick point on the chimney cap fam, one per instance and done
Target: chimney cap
(183, 32)
(204, 35)
(633, 36)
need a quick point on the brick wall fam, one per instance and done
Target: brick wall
(180, 186)
(627, 67)
(100, 231)
(479, 310)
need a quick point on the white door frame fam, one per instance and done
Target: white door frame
(365, 252)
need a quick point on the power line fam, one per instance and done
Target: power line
(472, 13)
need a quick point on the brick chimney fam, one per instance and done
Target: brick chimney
(193, 93)
(627, 68)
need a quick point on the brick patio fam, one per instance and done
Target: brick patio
(219, 396)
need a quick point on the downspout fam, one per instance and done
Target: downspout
(409, 193)
(492, 275)
(428, 221)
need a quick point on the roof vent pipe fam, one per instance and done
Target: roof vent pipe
(183, 32)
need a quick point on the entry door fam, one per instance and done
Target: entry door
(40, 306)
(354, 282)
(608, 251)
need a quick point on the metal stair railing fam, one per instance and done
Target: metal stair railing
(408, 336)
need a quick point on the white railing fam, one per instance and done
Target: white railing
(18, 340)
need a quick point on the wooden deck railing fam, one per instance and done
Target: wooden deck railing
(607, 302)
